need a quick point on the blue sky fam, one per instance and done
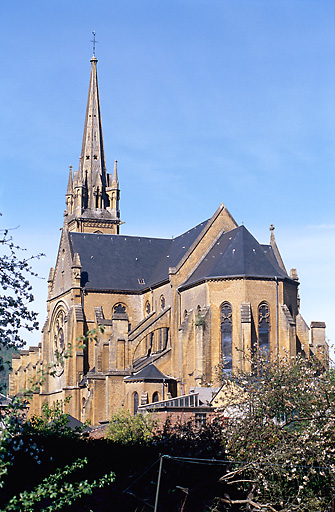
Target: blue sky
(203, 102)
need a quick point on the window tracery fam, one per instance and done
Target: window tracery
(59, 340)
(119, 308)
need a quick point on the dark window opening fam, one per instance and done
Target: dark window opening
(226, 336)
(264, 330)
(200, 419)
(119, 308)
(136, 402)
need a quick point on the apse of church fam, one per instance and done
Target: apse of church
(171, 309)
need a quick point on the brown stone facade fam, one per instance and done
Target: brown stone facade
(212, 293)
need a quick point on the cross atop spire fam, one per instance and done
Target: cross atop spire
(272, 236)
(93, 41)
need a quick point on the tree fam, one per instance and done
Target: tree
(280, 437)
(15, 293)
(127, 429)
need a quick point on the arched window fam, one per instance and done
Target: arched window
(119, 308)
(147, 307)
(155, 397)
(162, 302)
(226, 335)
(136, 402)
(58, 333)
(264, 329)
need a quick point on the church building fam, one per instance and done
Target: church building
(172, 310)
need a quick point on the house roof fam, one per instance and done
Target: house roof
(149, 373)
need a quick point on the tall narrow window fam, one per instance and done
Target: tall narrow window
(160, 339)
(264, 329)
(226, 335)
(136, 402)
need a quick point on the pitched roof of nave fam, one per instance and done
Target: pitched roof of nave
(130, 263)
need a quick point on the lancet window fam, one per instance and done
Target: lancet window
(136, 402)
(264, 329)
(226, 335)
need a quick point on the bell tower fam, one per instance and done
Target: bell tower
(92, 196)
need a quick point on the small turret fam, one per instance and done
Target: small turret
(69, 194)
(113, 192)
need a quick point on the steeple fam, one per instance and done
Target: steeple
(92, 159)
(92, 207)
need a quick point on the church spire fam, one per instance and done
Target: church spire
(93, 207)
(92, 159)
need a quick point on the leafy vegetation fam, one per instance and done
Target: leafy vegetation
(127, 429)
(281, 437)
(15, 293)
(5, 366)
(55, 493)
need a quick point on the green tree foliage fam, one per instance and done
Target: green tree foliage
(127, 429)
(53, 420)
(55, 493)
(280, 436)
(15, 293)
(5, 366)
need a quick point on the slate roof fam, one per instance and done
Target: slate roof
(149, 373)
(129, 263)
(237, 253)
